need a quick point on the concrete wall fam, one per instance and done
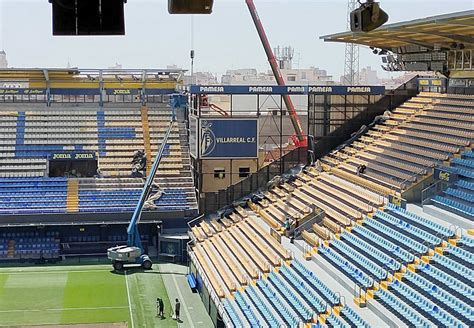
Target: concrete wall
(210, 183)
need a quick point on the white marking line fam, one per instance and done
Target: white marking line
(181, 298)
(48, 272)
(129, 302)
(67, 309)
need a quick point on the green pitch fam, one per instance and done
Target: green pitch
(81, 294)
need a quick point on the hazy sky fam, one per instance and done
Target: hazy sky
(224, 40)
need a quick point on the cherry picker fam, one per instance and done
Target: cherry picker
(133, 252)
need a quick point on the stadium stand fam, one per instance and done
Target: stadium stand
(31, 133)
(257, 278)
(413, 267)
(28, 245)
(459, 197)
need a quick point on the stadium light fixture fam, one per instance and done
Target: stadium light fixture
(88, 17)
(190, 6)
(368, 17)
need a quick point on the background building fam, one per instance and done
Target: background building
(3, 59)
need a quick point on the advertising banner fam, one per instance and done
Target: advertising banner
(287, 90)
(71, 156)
(228, 138)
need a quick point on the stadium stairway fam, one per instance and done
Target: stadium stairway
(72, 198)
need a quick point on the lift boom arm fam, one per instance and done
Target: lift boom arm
(132, 230)
(295, 120)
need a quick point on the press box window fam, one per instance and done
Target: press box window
(219, 173)
(244, 172)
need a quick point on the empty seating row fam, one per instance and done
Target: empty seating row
(345, 266)
(382, 243)
(398, 237)
(421, 221)
(430, 311)
(454, 205)
(361, 261)
(413, 231)
(403, 311)
(439, 296)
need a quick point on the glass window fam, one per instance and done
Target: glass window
(459, 59)
(169, 247)
(219, 173)
(244, 172)
(451, 60)
(467, 59)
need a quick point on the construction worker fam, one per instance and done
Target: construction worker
(160, 307)
(177, 308)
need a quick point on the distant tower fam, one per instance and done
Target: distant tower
(351, 66)
(284, 56)
(3, 59)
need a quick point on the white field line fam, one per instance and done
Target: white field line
(181, 298)
(129, 302)
(50, 272)
(67, 309)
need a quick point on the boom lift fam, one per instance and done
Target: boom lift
(133, 252)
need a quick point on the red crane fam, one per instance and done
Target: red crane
(299, 139)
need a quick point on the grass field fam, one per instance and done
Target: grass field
(81, 294)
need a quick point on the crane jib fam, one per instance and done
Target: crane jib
(295, 120)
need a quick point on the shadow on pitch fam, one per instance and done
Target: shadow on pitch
(132, 270)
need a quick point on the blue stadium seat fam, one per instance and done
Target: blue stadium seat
(280, 305)
(304, 289)
(330, 296)
(431, 311)
(405, 313)
(382, 243)
(372, 269)
(229, 309)
(345, 266)
(399, 238)
(280, 285)
(454, 205)
(412, 231)
(439, 296)
(262, 307)
(421, 221)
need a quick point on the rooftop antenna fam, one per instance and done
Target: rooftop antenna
(284, 56)
(351, 65)
(192, 53)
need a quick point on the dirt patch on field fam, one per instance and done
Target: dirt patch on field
(81, 325)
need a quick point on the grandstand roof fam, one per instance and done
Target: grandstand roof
(442, 30)
(42, 73)
(91, 78)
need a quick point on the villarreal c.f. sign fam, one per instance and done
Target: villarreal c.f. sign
(229, 138)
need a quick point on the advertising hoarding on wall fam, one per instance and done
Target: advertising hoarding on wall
(228, 138)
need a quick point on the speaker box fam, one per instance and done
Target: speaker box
(368, 17)
(88, 17)
(190, 6)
